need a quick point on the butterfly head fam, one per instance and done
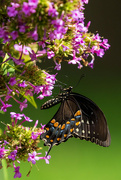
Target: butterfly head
(69, 89)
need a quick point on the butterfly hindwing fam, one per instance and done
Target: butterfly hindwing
(62, 125)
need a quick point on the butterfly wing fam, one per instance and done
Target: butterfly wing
(93, 125)
(77, 116)
(62, 125)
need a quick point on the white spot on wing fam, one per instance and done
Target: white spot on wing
(77, 129)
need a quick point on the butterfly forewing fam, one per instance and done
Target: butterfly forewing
(93, 121)
(77, 116)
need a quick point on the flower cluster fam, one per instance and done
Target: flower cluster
(19, 143)
(57, 29)
(33, 29)
(31, 81)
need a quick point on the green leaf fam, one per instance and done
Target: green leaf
(2, 112)
(8, 66)
(31, 100)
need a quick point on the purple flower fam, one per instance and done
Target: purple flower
(18, 47)
(4, 106)
(33, 56)
(23, 105)
(91, 64)
(42, 126)
(17, 173)
(26, 119)
(27, 50)
(58, 23)
(46, 158)
(105, 44)
(41, 53)
(47, 90)
(14, 34)
(85, 1)
(12, 155)
(12, 81)
(38, 89)
(4, 35)
(33, 157)
(75, 60)
(5, 142)
(50, 78)
(29, 91)
(34, 135)
(2, 152)
(97, 38)
(26, 8)
(50, 54)
(65, 47)
(9, 90)
(34, 34)
(12, 12)
(58, 66)
(16, 115)
(8, 96)
(33, 3)
(52, 11)
(23, 84)
(77, 15)
(81, 28)
(29, 7)
(40, 96)
(100, 52)
(42, 43)
(36, 123)
(22, 29)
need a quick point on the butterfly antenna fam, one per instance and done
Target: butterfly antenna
(80, 80)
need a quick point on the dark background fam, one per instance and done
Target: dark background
(78, 159)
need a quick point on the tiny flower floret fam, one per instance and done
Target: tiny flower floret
(33, 157)
(13, 155)
(17, 173)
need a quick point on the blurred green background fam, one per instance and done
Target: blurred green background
(78, 159)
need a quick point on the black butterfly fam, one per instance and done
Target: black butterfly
(77, 116)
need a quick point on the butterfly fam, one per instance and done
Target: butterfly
(77, 116)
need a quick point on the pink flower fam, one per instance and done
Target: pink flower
(46, 158)
(17, 173)
(33, 157)
(12, 155)
(12, 81)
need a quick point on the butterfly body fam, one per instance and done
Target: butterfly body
(77, 116)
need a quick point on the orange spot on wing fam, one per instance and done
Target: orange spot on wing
(53, 121)
(51, 140)
(77, 123)
(73, 119)
(78, 113)
(63, 126)
(47, 128)
(58, 139)
(68, 122)
(65, 135)
(71, 130)
(47, 136)
(56, 124)
(59, 126)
